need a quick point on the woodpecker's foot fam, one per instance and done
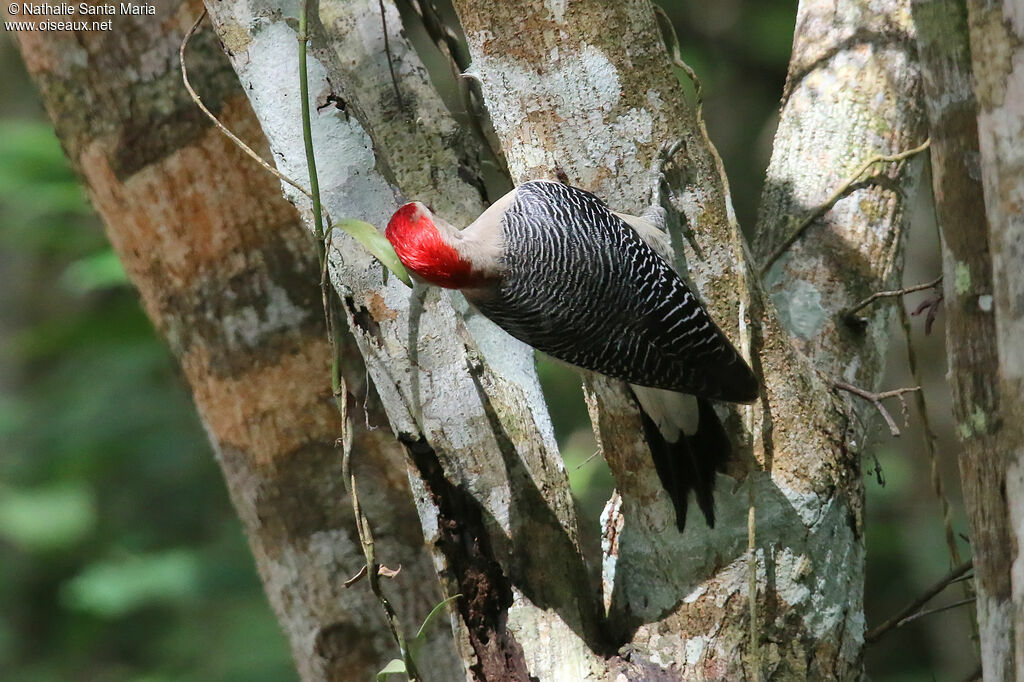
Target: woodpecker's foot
(666, 153)
(656, 212)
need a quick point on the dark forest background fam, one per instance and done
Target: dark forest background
(120, 555)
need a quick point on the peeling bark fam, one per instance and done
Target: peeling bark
(229, 278)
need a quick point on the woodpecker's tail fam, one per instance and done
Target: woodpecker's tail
(691, 461)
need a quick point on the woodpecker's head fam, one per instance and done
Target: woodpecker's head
(430, 248)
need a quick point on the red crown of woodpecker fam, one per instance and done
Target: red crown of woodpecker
(424, 250)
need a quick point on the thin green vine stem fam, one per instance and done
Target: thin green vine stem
(307, 132)
(363, 528)
(337, 381)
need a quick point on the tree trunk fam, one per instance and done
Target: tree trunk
(462, 397)
(970, 323)
(541, 93)
(229, 277)
(996, 32)
(852, 92)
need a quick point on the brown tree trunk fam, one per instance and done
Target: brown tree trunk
(970, 321)
(997, 52)
(229, 277)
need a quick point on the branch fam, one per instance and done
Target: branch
(382, 571)
(843, 187)
(971, 331)
(938, 609)
(930, 440)
(220, 126)
(904, 614)
(466, 83)
(367, 235)
(373, 570)
(877, 398)
(465, 426)
(849, 313)
(387, 51)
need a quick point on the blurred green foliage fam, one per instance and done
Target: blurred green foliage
(120, 555)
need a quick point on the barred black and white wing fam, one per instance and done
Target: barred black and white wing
(582, 286)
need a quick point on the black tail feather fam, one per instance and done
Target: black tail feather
(691, 462)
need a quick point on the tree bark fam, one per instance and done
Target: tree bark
(775, 590)
(229, 278)
(598, 104)
(852, 92)
(996, 31)
(960, 210)
(536, 104)
(461, 396)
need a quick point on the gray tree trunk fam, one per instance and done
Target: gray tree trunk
(228, 275)
(564, 91)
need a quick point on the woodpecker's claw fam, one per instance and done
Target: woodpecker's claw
(666, 153)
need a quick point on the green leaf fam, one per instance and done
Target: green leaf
(395, 666)
(377, 244)
(114, 588)
(417, 642)
(47, 518)
(433, 612)
(33, 171)
(99, 271)
(28, 146)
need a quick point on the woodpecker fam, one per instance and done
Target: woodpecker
(554, 267)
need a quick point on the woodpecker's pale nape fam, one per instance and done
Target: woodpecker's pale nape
(556, 268)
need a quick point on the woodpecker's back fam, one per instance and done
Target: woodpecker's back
(581, 285)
